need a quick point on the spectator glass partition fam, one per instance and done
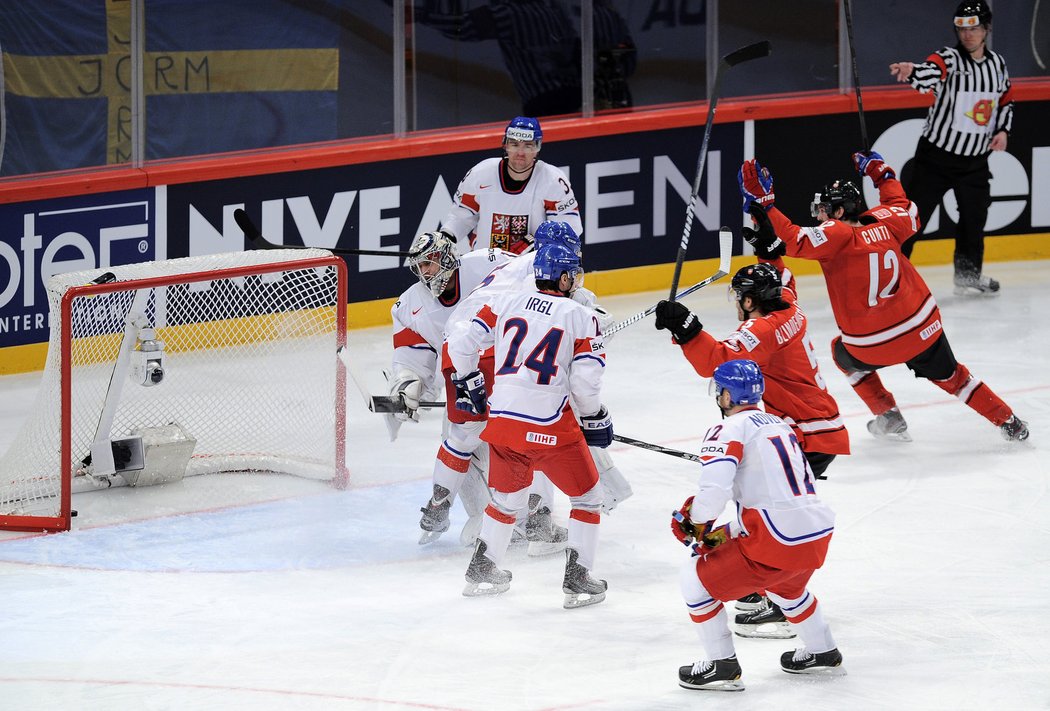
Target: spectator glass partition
(116, 83)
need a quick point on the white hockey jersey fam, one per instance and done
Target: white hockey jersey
(419, 318)
(501, 218)
(548, 352)
(753, 458)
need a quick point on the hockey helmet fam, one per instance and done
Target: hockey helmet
(840, 193)
(435, 260)
(759, 281)
(523, 128)
(972, 13)
(552, 260)
(742, 378)
(551, 232)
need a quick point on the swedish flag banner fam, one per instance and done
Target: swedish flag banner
(217, 77)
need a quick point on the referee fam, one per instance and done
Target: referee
(971, 116)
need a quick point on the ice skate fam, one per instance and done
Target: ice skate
(765, 623)
(545, 537)
(579, 587)
(972, 284)
(890, 425)
(751, 602)
(435, 515)
(719, 675)
(802, 662)
(483, 577)
(1014, 429)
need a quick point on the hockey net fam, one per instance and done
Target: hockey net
(246, 343)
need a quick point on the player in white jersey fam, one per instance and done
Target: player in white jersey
(419, 317)
(501, 201)
(549, 360)
(517, 275)
(779, 536)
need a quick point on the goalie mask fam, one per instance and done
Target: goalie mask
(840, 193)
(436, 262)
(742, 378)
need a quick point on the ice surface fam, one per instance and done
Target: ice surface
(275, 592)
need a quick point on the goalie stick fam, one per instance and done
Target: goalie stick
(725, 258)
(260, 242)
(744, 54)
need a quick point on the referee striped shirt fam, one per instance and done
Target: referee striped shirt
(972, 100)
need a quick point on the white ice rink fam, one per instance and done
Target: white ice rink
(936, 584)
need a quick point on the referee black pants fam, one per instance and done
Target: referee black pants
(935, 172)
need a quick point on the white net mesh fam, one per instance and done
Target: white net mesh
(250, 370)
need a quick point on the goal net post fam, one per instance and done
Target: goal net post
(160, 370)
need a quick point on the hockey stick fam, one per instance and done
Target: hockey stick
(725, 258)
(260, 242)
(856, 76)
(744, 54)
(380, 404)
(656, 448)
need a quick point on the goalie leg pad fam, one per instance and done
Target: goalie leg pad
(615, 487)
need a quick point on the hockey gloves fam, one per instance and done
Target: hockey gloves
(470, 393)
(756, 185)
(763, 240)
(597, 428)
(687, 532)
(870, 163)
(681, 525)
(680, 321)
(407, 386)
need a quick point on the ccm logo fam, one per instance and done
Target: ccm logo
(710, 448)
(540, 438)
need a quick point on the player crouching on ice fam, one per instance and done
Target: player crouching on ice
(549, 360)
(779, 538)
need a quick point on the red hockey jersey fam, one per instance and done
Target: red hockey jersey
(882, 306)
(795, 389)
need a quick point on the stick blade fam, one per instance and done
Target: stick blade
(746, 54)
(249, 228)
(725, 250)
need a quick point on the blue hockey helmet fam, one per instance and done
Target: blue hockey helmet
(742, 378)
(553, 259)
(551, 232)
(523, 128)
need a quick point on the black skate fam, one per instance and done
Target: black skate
(719, 675)
(765, 623)
(544, 536)
(802, 662)
(751, 602)
(890, 425)
(579, 587)
(974, 284)
(1014, 429)
(435, 515)
(483, 577)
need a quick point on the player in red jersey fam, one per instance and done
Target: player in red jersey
(773, 334)
(882, 306)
